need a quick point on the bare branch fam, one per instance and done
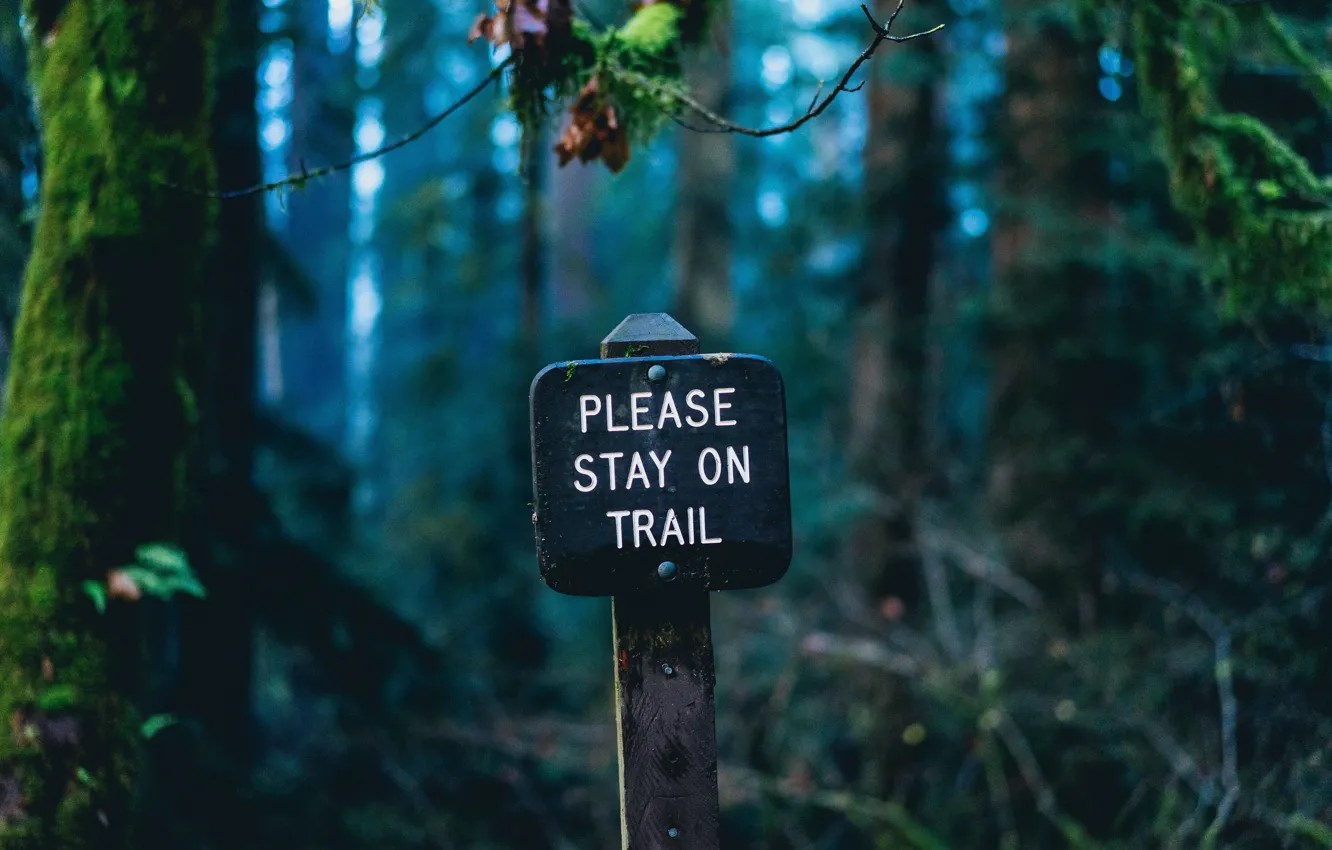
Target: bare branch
(980, 566)
(882, 33)
(307, 175)
(1017, 745)
(871, 653)
(894, 814)
(941, 602)
(1222, 673)
(1001, 797)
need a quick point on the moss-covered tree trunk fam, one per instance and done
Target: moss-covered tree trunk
(98, 413)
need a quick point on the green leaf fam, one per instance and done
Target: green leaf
(96, 591)
(150, 582)
(1270, 189)
(163, 557)
(189, 585)
(57, 698)
(83, 775)
(157, 723)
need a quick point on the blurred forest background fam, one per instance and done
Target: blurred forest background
(1061, 468)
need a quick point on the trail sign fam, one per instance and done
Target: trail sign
(660, 468)
(661, 474)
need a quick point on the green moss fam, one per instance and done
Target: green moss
(637, 67)
(97, 415)
(653, 30)
(1263, 217)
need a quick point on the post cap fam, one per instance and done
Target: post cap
(649, 334)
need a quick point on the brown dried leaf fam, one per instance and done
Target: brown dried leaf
(119, 585)
(483, 27)
(594, 132)
(524, 23)
(48, 669)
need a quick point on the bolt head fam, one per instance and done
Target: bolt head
(657, 373)
(673, 833)
(666, 570)
(668, 669)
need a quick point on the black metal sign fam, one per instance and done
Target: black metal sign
(660, 469)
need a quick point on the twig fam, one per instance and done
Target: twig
(882, 33)
(894, 814)
(411, 789)
(1001, 799)
(1016, 743)
(1223, 674)
(307, 175)
(980, 566)
(868, 652)
(941, 602)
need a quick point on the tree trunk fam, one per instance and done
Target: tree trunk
(534, 243)
(903, 173)
(1054, 387)
(887, 445)
(99, 411)
(703, 301)
(216, 636)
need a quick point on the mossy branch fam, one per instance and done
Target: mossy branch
(1319, 78)
(1262, 216)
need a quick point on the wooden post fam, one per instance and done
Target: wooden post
(714, 511)
(664, 675)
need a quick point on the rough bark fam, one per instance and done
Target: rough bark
(98, 410)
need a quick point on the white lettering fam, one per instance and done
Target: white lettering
(661, 467)
(733, 465)
(578, 466)
(583, 402)
(668, 410)
(618, 516)
(691, 526)
(718, 406)
(645, 529)
(637, 470)
(610, 457)
(689, 400)
(610, 418)
(716, 465)
(703, 527)
(672, 527)
(634, 410)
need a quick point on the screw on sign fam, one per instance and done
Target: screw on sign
(661, 474)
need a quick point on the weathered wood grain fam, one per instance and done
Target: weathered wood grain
(664, 677)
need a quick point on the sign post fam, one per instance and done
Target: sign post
(661, 474)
